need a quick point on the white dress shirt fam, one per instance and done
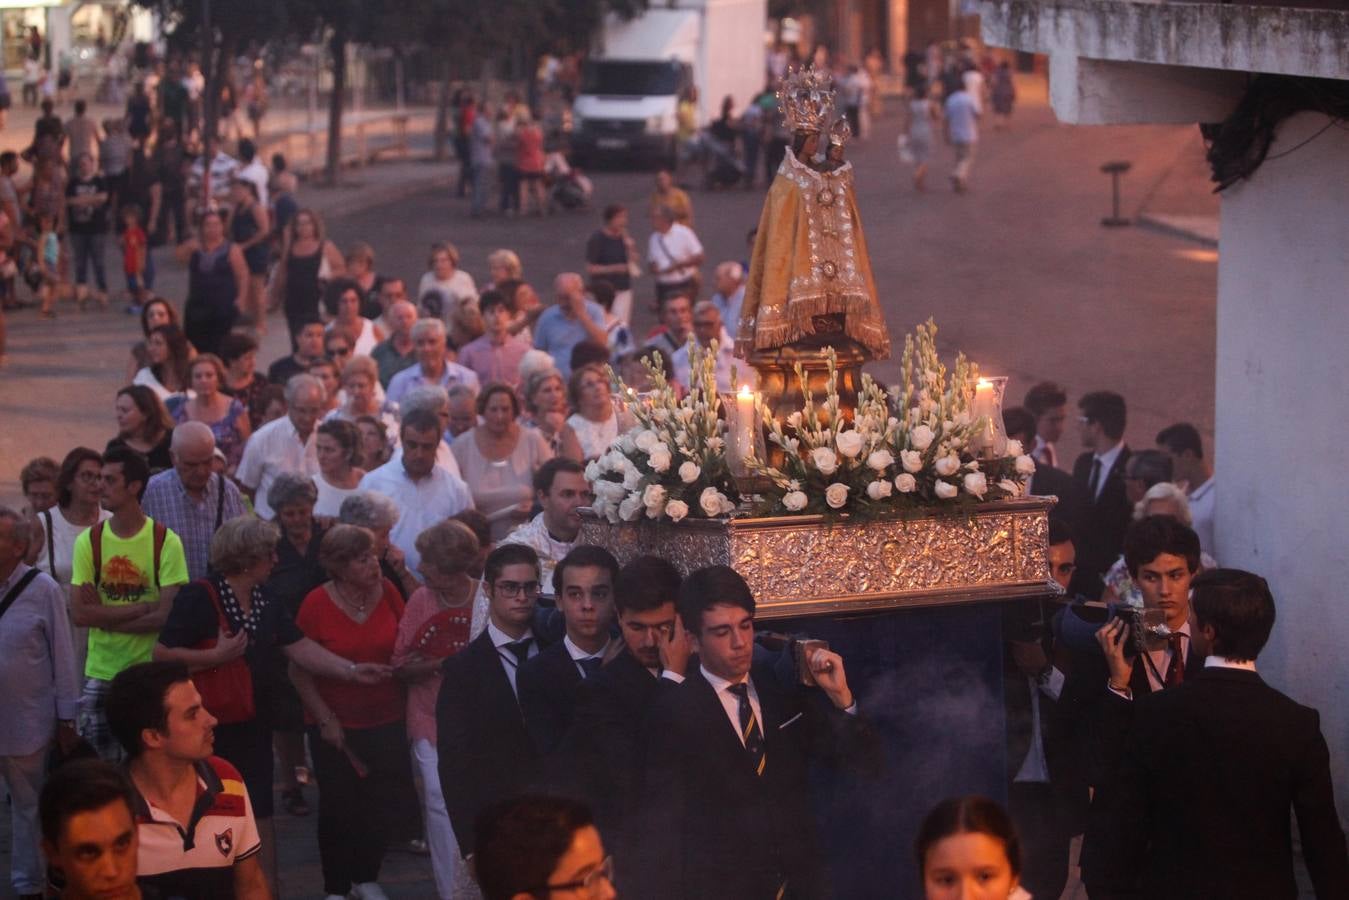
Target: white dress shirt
(1222, 662)
(1107, 460)
(1201, 513)
(676, 244)
(37, 665)
(421, 504)
(577, 654)
(509, 662)
(731, 703)
(273, 449)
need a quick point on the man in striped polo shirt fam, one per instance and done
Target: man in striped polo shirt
(198, 838)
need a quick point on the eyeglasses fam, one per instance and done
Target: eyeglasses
(512, 588)
(89, 477)
(339, 351)
(591, 883)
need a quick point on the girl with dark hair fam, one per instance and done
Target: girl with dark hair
(308, 261)
(250, 229)
(169, 354)
(156, 311)
(338, 447)
(968, 848)
(144, 425)
(217, 283)
(208, 403)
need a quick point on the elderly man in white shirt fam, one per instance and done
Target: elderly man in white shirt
(708, 327)
(424, 492)
(285, 445)
(729, 281)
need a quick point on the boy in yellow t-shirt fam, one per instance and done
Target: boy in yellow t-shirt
(123, 582)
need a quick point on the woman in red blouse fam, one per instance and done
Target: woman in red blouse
(356, 732)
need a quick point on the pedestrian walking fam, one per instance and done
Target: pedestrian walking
(962, 133)
(1004, 95)
(915, 142)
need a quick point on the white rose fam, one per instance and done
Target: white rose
(593, 471)
(945, 490)
(625, 443)
(878, 490)
(654, 498)
(676, 510)
(610, 491)
(836, 495)
(1025, 465)
(912, 460)
(631, 507)
(948, 465)
(1014, 447)
(660, 459)
(880, 460)
(1010, 486)
(795, 501)
(850, 443)
(726, 505)
(646, 439)
(689, 472)
(921, 437)
(711, 501)
(905, 483)
(825, 460)
(976, 484)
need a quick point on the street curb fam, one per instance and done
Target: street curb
(363, 199)
(1173, 229)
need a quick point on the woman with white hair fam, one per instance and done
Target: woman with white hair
(1162, 499)
(545, 395)
(378, 514)
(450, 286)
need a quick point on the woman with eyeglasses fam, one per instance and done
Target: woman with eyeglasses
(77, 508)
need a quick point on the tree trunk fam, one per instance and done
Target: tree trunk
(337, 46)
(442, 112)
(215, 72)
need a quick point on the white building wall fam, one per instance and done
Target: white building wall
(1282, 431)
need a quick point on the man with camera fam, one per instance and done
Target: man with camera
(1200, 805)
(726, 812)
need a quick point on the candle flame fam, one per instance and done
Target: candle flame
(984, 382)
(745, 392)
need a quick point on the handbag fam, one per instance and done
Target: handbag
(227, 689)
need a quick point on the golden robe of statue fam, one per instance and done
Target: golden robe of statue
(810, 259)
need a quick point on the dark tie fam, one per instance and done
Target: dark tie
(520, 648)
(1095, 481)
(1175, 670)
(590, 666)
(749, 727)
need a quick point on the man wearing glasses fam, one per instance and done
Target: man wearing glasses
(542, 847)
(485, 752)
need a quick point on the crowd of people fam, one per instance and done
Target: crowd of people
(360, 575)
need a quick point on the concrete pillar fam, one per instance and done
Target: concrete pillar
(59, 34)
(898, 23)
(1281, 404)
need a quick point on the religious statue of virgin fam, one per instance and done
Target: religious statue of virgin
(810, 275)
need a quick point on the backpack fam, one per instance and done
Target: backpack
(96, 547)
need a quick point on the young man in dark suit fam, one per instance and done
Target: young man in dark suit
(1211, 768)
(1162, 557)
(584, 586)
(602, 750)
(1099, 476)
(1048, 481)
(485, 753)
(727, 811)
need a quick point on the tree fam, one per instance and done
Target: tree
(216, 31)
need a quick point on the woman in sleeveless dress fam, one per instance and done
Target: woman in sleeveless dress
(250, 230)
(217, 281)
(307, 261)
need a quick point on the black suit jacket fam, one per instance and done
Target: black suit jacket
(713, 828)
(1105, 518)
(1200, 804)
(485, 752)
(600, 756)
(547, 684)
(1051, 482)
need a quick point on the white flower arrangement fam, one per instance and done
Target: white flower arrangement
(672, 463)
(910, 448)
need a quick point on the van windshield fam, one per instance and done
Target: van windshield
(630, 79)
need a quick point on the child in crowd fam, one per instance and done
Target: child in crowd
(135, 258)
(50, 287)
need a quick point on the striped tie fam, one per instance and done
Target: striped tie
(749, 727)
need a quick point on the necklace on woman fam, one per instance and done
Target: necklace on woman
(458, 598)
(340, 593)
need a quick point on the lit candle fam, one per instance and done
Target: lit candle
(983, 399)
(742, 430)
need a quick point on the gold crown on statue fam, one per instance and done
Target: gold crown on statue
(806, 98)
